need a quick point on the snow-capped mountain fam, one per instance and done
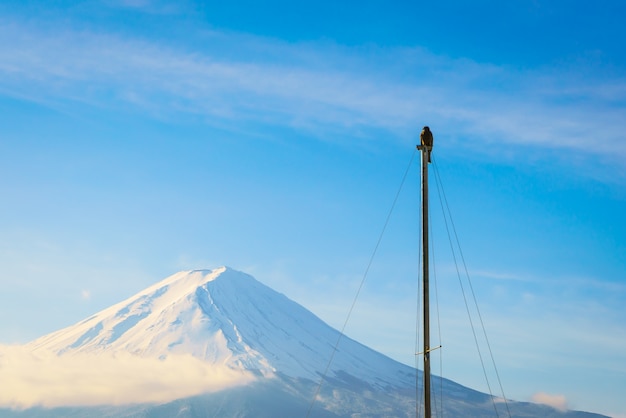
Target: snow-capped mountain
(223, 317)
(274, 350)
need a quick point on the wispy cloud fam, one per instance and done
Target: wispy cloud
(139, 4)
(498, 275)
(48, 380)
(556, 401)
(145, 6)
(319, 87)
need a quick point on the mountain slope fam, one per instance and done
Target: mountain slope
(222, 317)
(274, 349)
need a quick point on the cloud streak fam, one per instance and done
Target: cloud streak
(48, 380)
(555, 401)
(329, 90)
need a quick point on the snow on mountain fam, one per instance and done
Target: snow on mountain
(223, 317)
(218, 343)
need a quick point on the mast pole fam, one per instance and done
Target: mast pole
(426, 147)
(427, 406)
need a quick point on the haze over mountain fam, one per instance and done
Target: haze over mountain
(217, 343)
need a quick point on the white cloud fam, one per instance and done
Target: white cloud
(133, 3)
(556, 401)
(48, 380)
(85, 294)
(329, 89)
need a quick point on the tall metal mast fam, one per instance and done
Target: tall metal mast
(426, 147)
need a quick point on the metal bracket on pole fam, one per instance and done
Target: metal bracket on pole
(428, 351)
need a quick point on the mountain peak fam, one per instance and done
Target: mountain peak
(174, 316)
(227, 330)
(223, 317)
(189, 277)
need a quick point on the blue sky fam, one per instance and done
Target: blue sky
(139, 138)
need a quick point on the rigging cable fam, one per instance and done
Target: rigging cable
(443, 200)
(432, 246)
(418, 321)
(464, 295)
(356, 296)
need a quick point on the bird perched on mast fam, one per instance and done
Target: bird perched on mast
(426, 138)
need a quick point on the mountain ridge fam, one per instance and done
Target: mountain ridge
(222, 316)
(254, 351)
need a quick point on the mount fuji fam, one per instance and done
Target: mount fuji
(233, 348)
